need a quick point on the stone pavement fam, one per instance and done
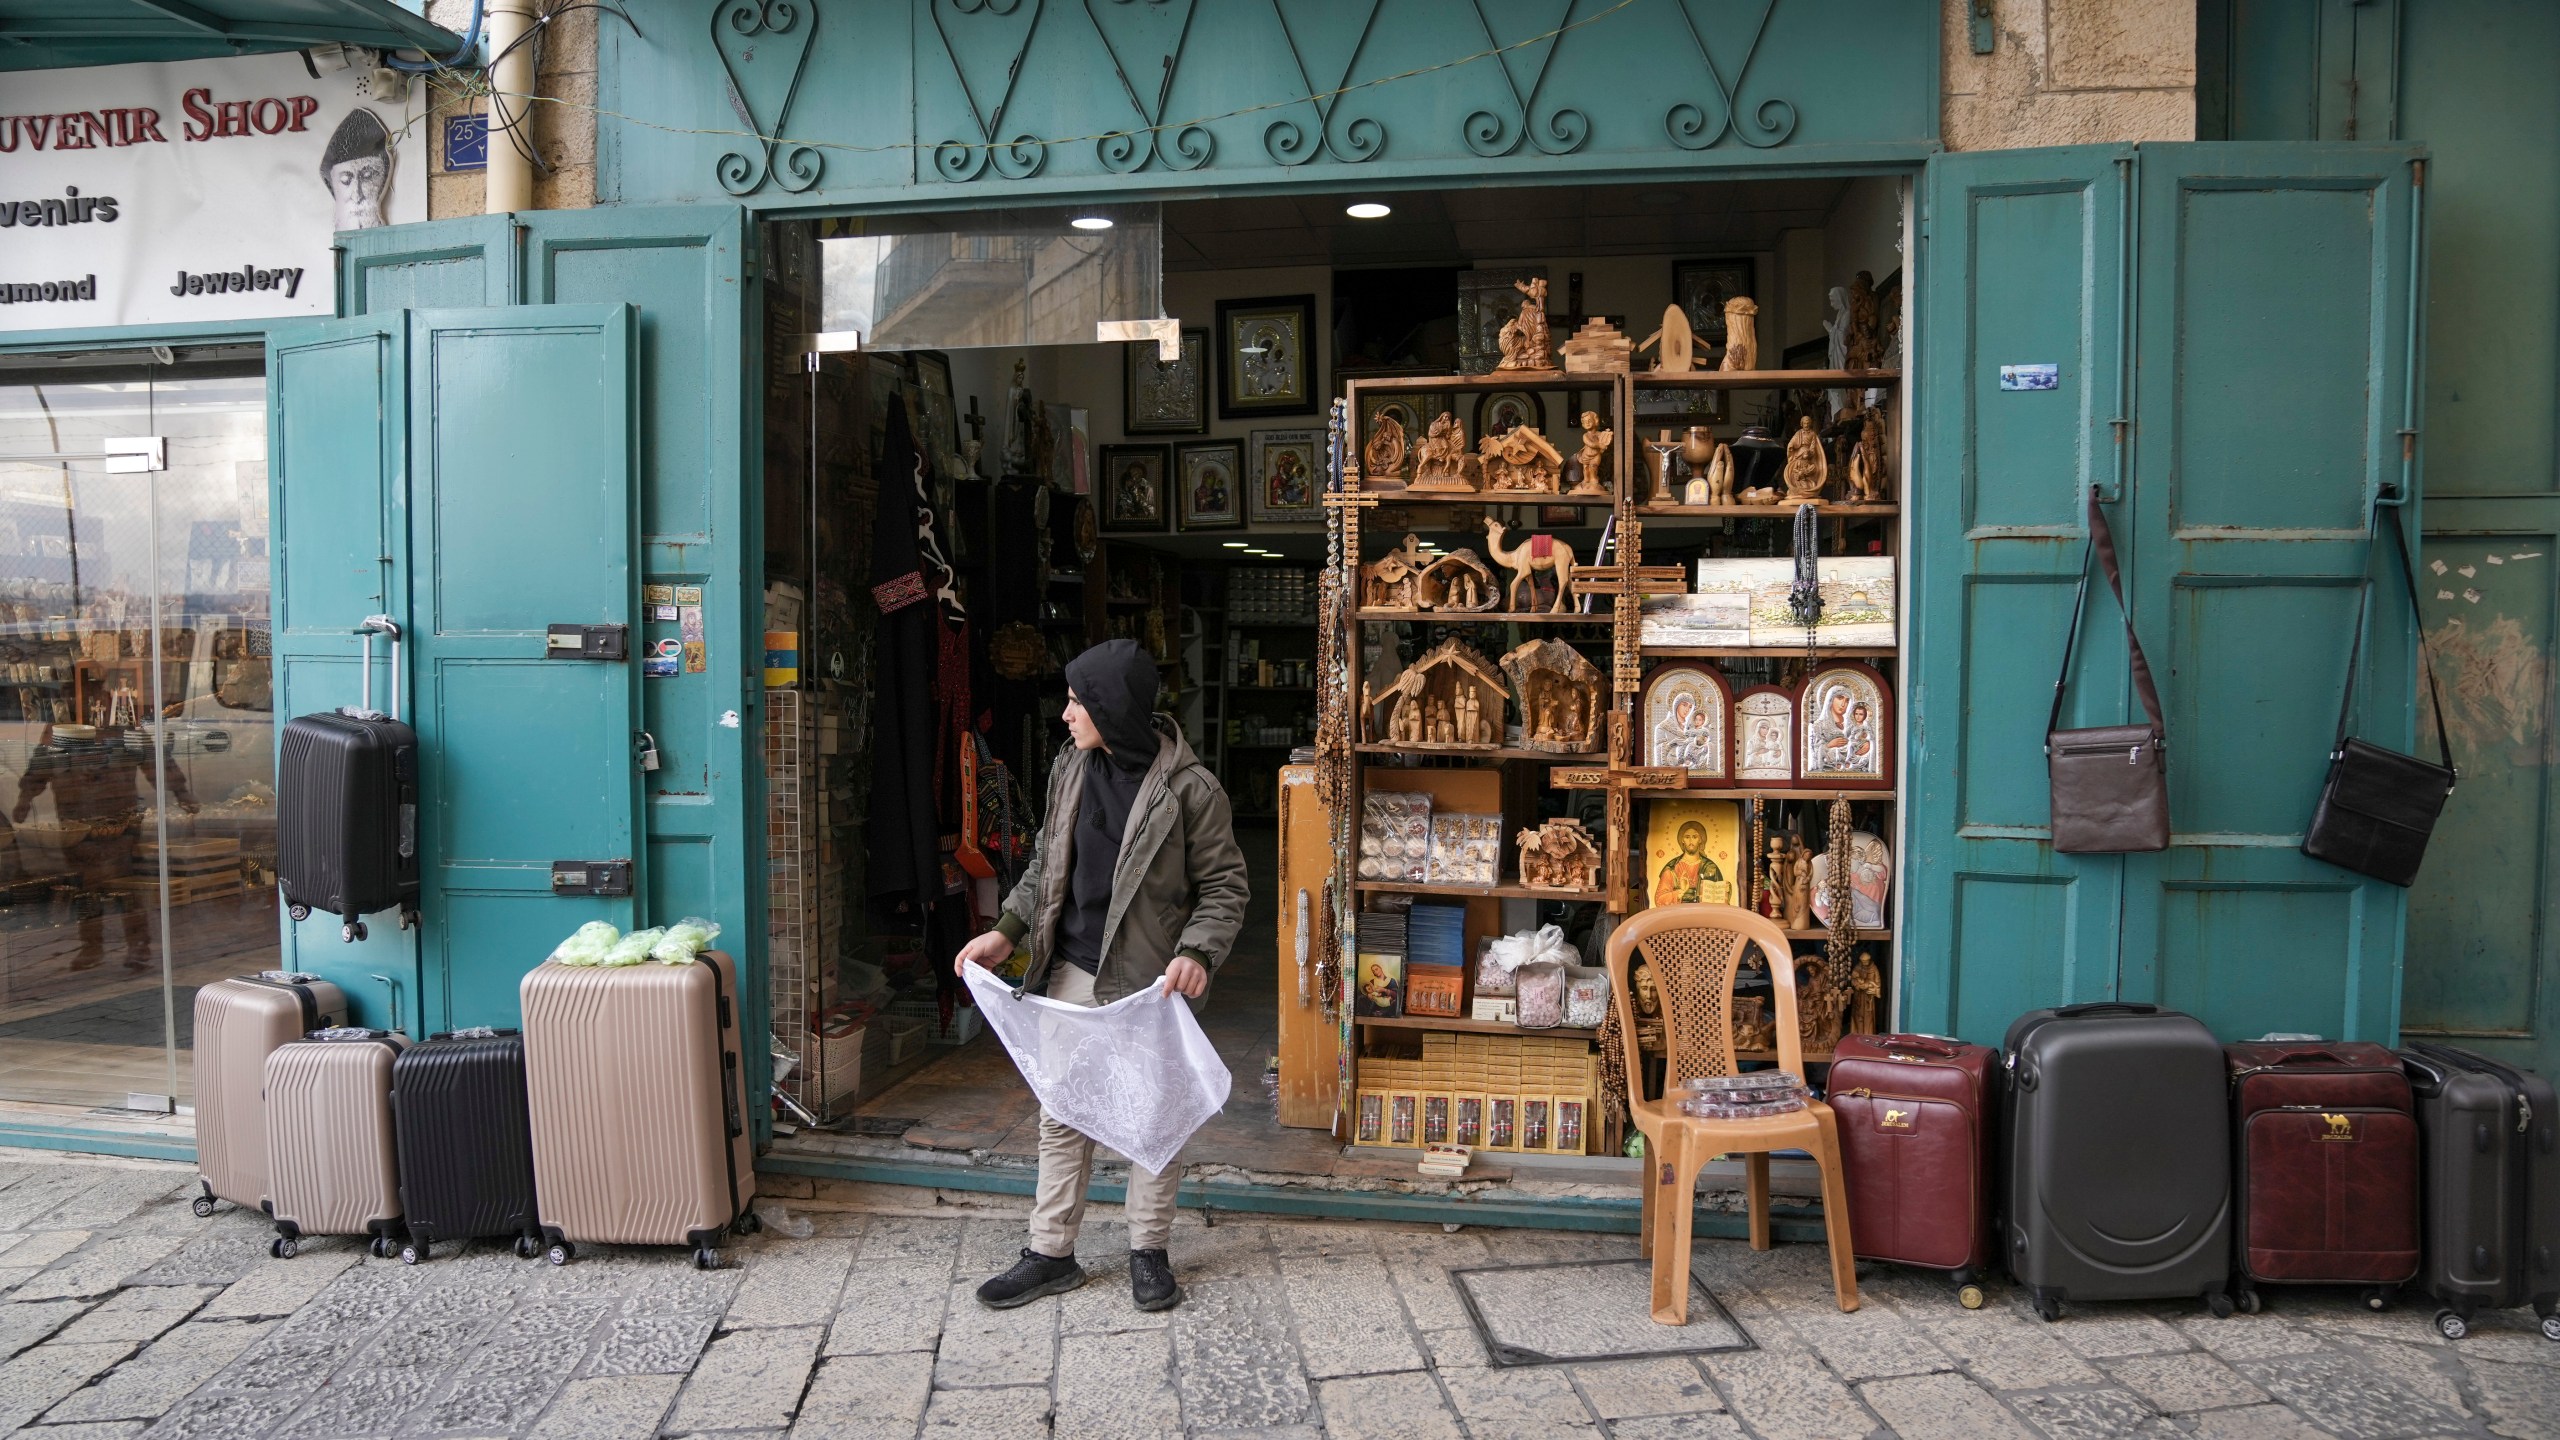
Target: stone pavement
(121, 1314)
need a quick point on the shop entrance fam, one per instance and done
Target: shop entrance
(1080, 492)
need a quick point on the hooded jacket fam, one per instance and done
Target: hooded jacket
(1177, 886)
(1116, 683)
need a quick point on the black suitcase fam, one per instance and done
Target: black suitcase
(2489, 1186)
(2119, 1157)
(466, 1142)
(347, 808)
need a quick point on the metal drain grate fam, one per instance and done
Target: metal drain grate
(1574, 1310)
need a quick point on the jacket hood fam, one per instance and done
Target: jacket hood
(1115, 681)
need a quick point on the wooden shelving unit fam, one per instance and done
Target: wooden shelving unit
(1467, 1027)
(1633, 520)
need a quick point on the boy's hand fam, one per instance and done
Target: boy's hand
(1186, 977)
(988, 950)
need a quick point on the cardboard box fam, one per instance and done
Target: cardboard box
(1369, 1118)
(1466, 1120)
(1434, 990)
(1537, 1122)
(1404, 1117)
(1436, 1117)
(1502, 1122)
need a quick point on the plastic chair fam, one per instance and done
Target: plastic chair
(1695, 952)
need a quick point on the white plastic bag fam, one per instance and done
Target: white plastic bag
(1137, 1074)
(587, 945)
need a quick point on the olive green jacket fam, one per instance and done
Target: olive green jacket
(1179, 888)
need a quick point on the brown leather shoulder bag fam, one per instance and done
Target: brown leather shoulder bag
(2111, 783)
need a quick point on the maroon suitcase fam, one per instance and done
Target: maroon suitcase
(2327, 1170)
(1915, 1116)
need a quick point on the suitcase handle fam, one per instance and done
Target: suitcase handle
(379, 625)
(1934, 1044)
(2105, 1007)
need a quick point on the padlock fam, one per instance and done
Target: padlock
(648, 746)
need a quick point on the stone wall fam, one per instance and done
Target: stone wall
(2070, 72)
(2061, 72)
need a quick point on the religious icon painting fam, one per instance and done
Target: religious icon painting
(1160, 397)
(1266, 357)
(1135, 492)
(1500, 411)
(1285, 477)
(1693, 852)
(1208, 484)
(1412, 412)
(1846, 736)
(1686, 709)
(1764, 737)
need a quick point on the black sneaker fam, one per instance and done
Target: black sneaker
(1151, 1281)
(1031, 1277)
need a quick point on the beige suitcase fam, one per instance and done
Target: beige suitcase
(638, 1090)
(238, 1024)
(331, 1166)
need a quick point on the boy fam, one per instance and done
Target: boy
(1135, 880)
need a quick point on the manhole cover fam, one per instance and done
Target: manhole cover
(1587, 1310)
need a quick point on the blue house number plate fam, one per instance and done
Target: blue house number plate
(2030, 377)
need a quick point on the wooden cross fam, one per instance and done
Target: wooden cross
(1622, 782)
(976, 422)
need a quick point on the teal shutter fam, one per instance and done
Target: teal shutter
(2021, 263)
(2274, 314)
(522, 516)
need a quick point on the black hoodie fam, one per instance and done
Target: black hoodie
(1115, 681)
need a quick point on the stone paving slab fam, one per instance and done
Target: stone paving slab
(126, 1316)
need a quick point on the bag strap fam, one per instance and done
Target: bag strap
(2102, 548)
(2355, 651)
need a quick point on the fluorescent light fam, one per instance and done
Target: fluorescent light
(1091, 222)
(1235, 544)
(1367, 210)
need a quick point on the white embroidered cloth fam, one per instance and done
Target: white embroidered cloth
(1137, 1074)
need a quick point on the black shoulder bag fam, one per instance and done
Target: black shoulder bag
(2111, 783)
(2378, 807)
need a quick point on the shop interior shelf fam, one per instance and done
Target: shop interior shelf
(1390, 747)
(1486, 617)
(1397, 495)
(1818, 933)
(1470, 892)
(1783, 510)
(1593, 380)
(1747, 792)
(1768, 652)
(1768, 380)
(1469, 1027)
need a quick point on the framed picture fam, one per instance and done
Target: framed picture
(1846, 742)
(1498, 411)
(1693, 852)
(1685, 710)
(1286, 476)
(1266, 357)
(1157, 398)
(1208, 481)
(1135, 497)
(1410, 409)
(1764, 737)
(1702, 286)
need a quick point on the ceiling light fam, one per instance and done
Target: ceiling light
(1367, 210)
(1091, 222)
(1235, 544)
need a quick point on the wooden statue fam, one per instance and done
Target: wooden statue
(1441, 461)
(1559, 855)
(1459, 580)
(1773, 880)
(1383, 456)
(1596, 349)
(1677, 342)
(1752, 1029)
(1392, 581)
(1822, 1004)
(1451, 697)
(1863, 348)
(1867, 478)
(1799, 887)
(1526, 559)
(1524, 336)
(1560, 695)
(1741, 334)
(1808, 468)
(1866, 984)
(1520, 461)
(1593, 455)
(1720, 476)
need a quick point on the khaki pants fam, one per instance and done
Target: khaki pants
(1066, 1162)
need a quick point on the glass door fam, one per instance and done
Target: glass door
(136, 719)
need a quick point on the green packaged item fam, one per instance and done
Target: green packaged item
(684, 940)
(588, 945)
(631, 949)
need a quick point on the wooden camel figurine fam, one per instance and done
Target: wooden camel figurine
(1526, 559)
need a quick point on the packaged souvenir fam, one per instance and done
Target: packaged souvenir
(1541, 995)
(1465, 849)
(1586, 996)
(1395, 836)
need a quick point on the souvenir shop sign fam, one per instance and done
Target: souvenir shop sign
(202, 191)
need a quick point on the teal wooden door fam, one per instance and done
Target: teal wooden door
(522, 517)
(469, 473)
(2022, 263)
(2245, 312)
(339, 541)
(2275, 379)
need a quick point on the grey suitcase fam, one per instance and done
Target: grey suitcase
(2119, 1157)
(332, 1164)
(2489, 1186)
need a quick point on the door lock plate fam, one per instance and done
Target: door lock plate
(591, 877)
(588, 642)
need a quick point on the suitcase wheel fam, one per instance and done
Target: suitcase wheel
(2048, 1305)
(204, 1207)
(2451, 1326)
(2250, 1302)
(561, 1252)
(749, 1223)
(527, 1247)
(2219, 1302)
(2378, 1298)
(412, 1253)
(352, 931)
(298, 912)
(1969, 1296)
(381, 1247)
(706, 1258)
(282, 1247)
(2551, 1327)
